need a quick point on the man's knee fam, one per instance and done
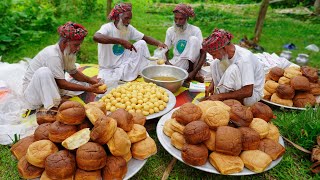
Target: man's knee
(43, 72)
(141, 43)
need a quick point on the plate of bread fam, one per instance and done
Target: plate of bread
(147, 98)
(294, 87)
(228, 138)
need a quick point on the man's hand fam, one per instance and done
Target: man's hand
(209, 90)
(128, 45)
(215, 97)
(95, 88)
(191, 76)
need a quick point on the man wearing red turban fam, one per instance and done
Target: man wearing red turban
(44, 82)
(118, 58)
(236, 72)
(185, 39)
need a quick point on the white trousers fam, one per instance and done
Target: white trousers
(132, 63)
(190, 53)
(229, 81)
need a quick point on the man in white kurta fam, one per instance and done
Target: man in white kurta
(118, 58)
(236, 73)
(44, 82)
(185, 39)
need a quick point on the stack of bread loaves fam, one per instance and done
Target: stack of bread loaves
(293, 86)
(237, 136)
(66, 145)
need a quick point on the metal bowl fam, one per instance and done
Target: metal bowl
(165, 71)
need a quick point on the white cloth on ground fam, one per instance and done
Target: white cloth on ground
(131, 63)
(245, 69)
(186, 45)
(272, 60)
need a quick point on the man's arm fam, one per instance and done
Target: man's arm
(195, 70)
(104, 39)
(63, 84)
(240, 94)
(154, 42)
(79, 76)
(167, 56)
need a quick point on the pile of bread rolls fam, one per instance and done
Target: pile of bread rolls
(294, 86)
(231, 135)
(140, 97)
(82, 142)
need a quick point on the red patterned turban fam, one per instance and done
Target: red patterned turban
(72, 31)
(184, 9)
(118, 9)
(217, 40)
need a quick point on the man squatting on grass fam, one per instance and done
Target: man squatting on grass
(44, 82)
(237, 74)
(186, 41)
(118, 58)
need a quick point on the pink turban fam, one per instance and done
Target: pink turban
(217, 40)
(72, 31)
(118, 9)
(184, 9)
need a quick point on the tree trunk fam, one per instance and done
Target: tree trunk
(317, 7)
(260, 20)
(108, 8)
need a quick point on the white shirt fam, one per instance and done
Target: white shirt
(109, 54)
(251, 69)
(179, 40)
(50, 57)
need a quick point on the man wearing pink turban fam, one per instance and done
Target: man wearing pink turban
(236, 72)
(118, 58)
(185, 39)
(45, 82)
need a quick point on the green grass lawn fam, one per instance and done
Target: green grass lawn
(153, 19)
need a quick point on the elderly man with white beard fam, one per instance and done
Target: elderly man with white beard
(237, 74)
(186, 41)
(118, 58)
(44, 82)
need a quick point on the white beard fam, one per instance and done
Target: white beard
(123, 29)
(179, 29)
(69, 59)
(225, 63)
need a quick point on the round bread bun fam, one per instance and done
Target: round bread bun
(196, 132)
(177, 140)
(85, 124)
(311, 73)
(44, 176)
(304, 99)
(46, 116)
(177, 127)
(187, 113)
(144, 149)
(20, 148)
(91, 156)
(284, 80)
(261, 110)
(116, 168)
(266, 94)
(42, 132)
(137, 133)
(285, 91)
(228, 140)
(231, 102)
(60, 165)
(271, 86)
(272, 148)
(87, 175)
(291, 72)
(276, 99)
(211, 142)
(274, 133)
(275, 73)
(99, 104)
(300, 83)
(127, 157)
(241, 115)
(119, 144)
(139, 118)
(103, 130)
(59, 131)
(315, 89)
(38, 152)
(195, 155)
(71, 112)
(204, 106)
(124, 119)
(167, 128)
(261, 126)
(250, 138)
(77, 139)
(27, 170)
(216, 116)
